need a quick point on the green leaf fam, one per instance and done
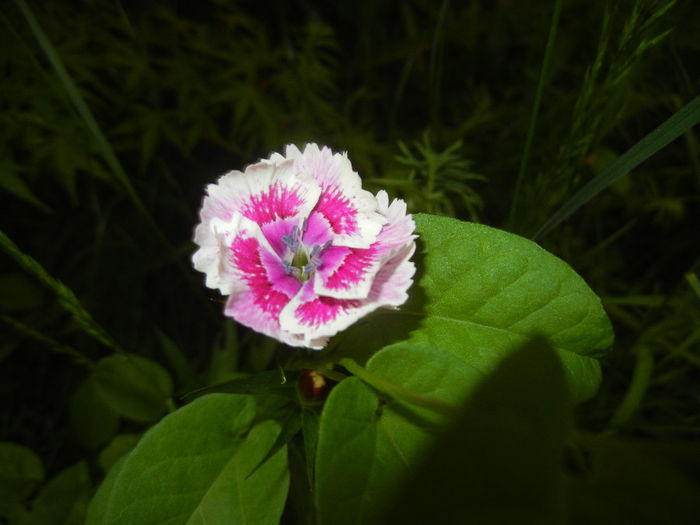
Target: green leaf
(481, 293)
(97, 510)
(191, 468)
(21, 472)
(92, 421)
(133, 386)
(290, 428)
(500, 462)
(64, 499)
(177, 360)
(366, 445)
(310, 422)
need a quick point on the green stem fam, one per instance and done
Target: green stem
(638, 386)
(397, 392)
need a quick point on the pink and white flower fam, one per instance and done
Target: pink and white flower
(300, 249)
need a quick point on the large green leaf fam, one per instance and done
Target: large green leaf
(481, 293)
(501, 461)
(366, 445)
(192, 468)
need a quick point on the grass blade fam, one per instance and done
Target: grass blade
(64, 294)
(674, 127)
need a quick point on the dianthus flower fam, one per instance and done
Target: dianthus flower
(300, 249)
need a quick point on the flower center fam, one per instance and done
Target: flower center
(299, 260)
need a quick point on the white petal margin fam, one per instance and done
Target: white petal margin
(334, 170)
(214, 238)
(236, 191)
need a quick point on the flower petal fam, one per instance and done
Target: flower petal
(352, 278)
(214, 238)
(350, 210)
(394, 278)
(399, 227)
(261, 288)
(263, 193)
(315, 317)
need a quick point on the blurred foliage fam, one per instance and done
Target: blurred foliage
(423, 95)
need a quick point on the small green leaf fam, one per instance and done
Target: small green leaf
(133, 386)
(64, 499)
(92, 421)
(177, 360)
(191, 467)
(21, 472)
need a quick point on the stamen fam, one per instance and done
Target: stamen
(292, 240)
(300, 262)
(291, 270)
